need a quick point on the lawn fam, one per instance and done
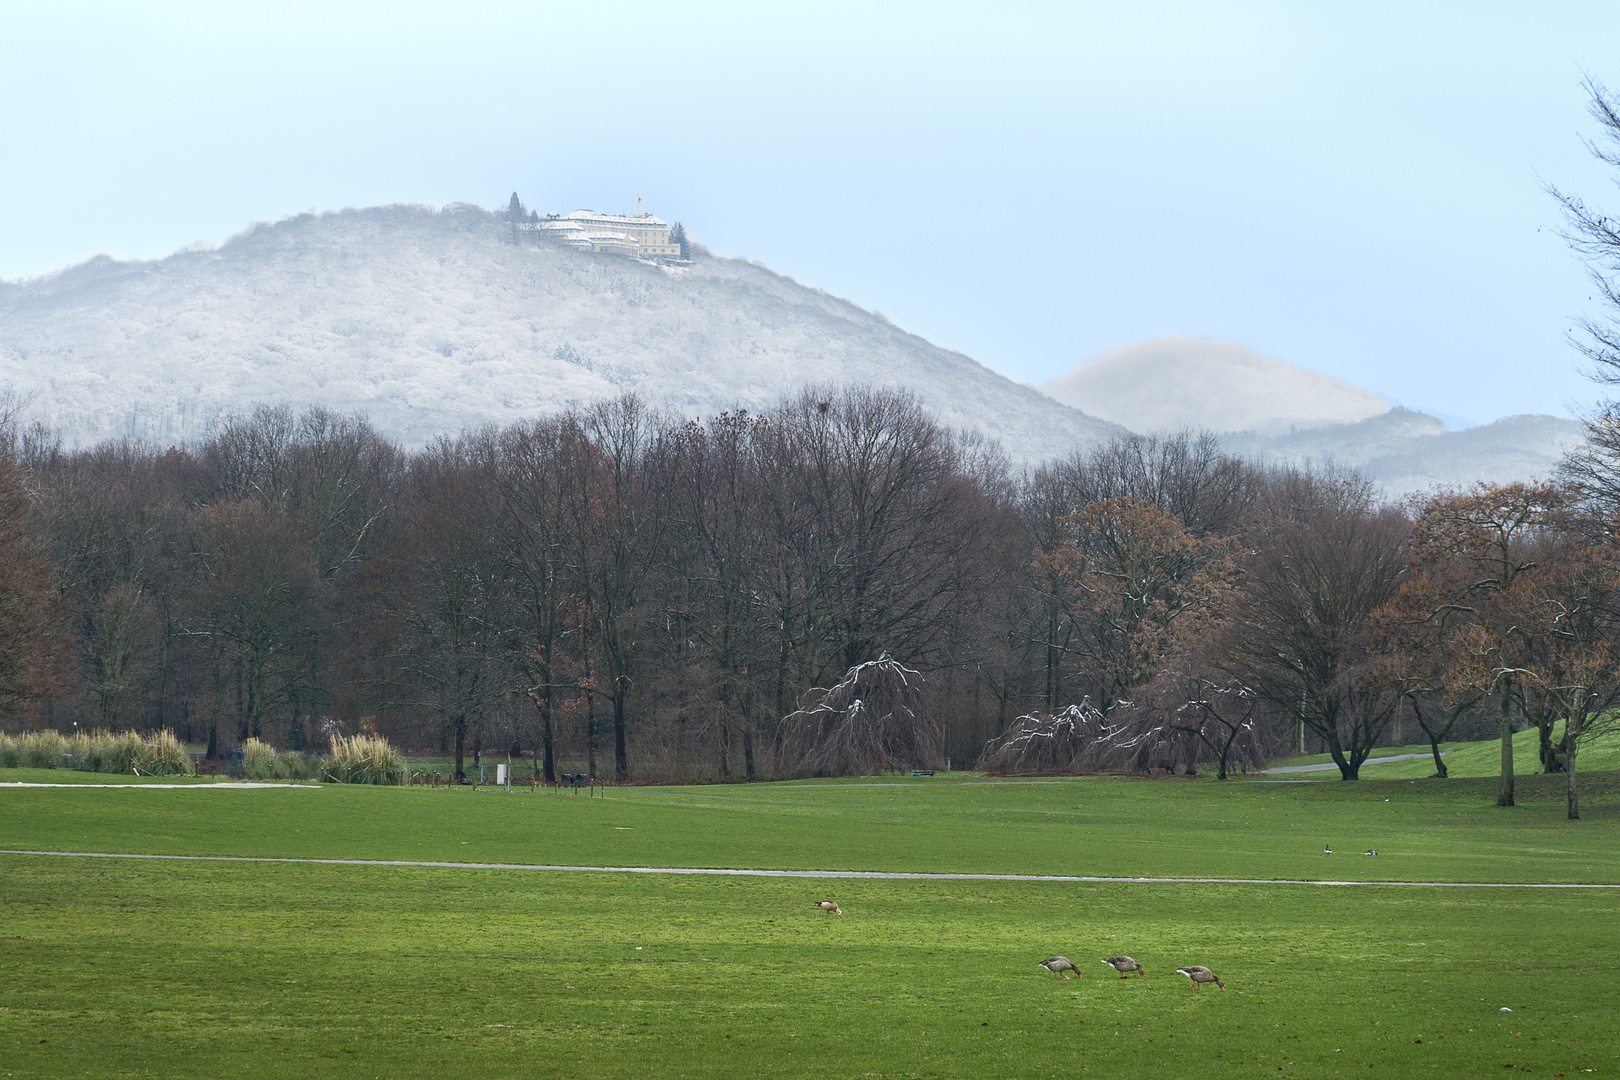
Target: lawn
(1479, 759)
(128, 968)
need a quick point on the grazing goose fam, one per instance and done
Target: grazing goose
(1059, 965)
(1369, 851)
(1125, 965)
(830, 907)
(1200, 974)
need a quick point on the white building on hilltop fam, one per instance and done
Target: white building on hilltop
(643, 235)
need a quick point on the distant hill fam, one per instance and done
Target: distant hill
(1409, 452)
(1178, 382)
(432, 320)
(1279, 412)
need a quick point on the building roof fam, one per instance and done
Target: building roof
(643, 220)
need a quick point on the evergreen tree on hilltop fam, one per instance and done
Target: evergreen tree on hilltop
(678, 235)
(515, 213)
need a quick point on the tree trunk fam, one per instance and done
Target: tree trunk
(1504, 722)
(1349, 768)
(1569, 768)
(1551, 759)
(748, 752)
(590, 733)
(621, 760)
(548, 739)
(1439, 764)
(461, 748)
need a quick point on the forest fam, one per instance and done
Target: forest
(661, 598)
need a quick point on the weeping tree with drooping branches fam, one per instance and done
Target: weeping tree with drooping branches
(874, 720)
(1081, 739)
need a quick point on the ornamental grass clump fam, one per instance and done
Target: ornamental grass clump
(159, 754)
(165, 755)
(261, 762)
(364, 759)
(112, 753)
(33, 750)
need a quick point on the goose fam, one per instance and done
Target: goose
(830, 907)
(1125, 965)
(1059, 965)
(1200, 974)
(1369, 851)
(1327, 850)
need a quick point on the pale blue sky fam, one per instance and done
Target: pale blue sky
(1353, 188)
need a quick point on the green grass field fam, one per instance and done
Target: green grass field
(143, 968)
(1478, 759)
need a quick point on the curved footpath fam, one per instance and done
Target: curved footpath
(877, 874)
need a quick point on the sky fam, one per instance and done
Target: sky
(1357, 189)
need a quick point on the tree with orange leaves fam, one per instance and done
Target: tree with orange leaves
(1471, 595)
(33, 630)
(1136, 582)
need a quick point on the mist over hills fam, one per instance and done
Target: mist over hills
(1178, 382)
(1281, 413)
(1411, 452)
(429, 321)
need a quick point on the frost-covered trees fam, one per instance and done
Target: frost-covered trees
(875, 719)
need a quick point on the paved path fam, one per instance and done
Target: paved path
(1330, 767)
(858, 874)
(227, 785)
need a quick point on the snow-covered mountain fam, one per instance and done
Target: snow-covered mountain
(429, 321)
(1178, 382)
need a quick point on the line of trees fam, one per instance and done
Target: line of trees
(650, 595)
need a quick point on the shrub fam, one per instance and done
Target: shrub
(260, 761)
(364, 759)
(300, 767)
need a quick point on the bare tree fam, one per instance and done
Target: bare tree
(1328, 557)
(535, 485)
(875, 719)
(439, 594)
(1219, 711)
(620, 533)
